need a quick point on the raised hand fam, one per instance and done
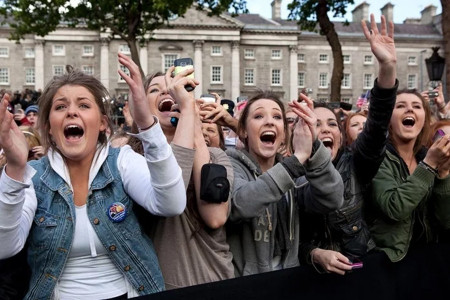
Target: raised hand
(439, 152)
(13, 142)
(139, 106)
(216, 113)
(176, 87)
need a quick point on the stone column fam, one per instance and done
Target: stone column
(293, 73)
(143, 57)
(198, 68)
(235, 71)
(104, 62)
(39, 63)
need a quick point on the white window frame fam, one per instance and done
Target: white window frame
(414, 62)
(58, 66)
(4, 55)
(29, 76)
(163, 58)
(246, 76)
(272, 77)
(84, 53)
(29, 52)
(414, 86)
(304, 79)
(84, 67)
(349, 85)
(349, 61)
(346, 100)
(323, 61)
(367, 84)
(124, 49)
(321, 86)
(6, 75)
(247, 52)
(368, 62)
(212, 75)
(276, 56)
(213, 53)
(301, 57)
(124, 69)
(56, 52)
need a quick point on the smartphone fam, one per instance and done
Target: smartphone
(439, 134)
(17, 107)
(174, 120)
(208, 98)
(433, 94)
(182, 64)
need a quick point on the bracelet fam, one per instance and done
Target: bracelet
(147, 128)
(429, 168)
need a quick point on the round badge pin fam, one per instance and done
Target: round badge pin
(117, 212)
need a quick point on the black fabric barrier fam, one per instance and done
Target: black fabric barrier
(423, 274)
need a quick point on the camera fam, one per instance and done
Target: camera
(433, 94)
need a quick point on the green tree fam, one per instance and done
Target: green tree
(132, 20)
(309, 13)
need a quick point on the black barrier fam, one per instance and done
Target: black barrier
(423, 274)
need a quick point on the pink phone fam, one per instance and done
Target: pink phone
(357, 264)
(439, 134)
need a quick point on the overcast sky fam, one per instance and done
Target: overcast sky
(402, 8)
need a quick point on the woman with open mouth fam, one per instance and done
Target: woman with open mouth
(336, 239)
(74, 206)
(263, 230)
(411, 189)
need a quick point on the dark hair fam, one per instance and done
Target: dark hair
(424, 133)
(243, 117)
(149, 78)
(72, 77)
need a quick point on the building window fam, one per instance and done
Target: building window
(125, 70)
(323, 80)
(216, 50)
(4, 52)
(216, 74)
(169, 60)
(249, 77)
(276, 54)
(249, 53)
(4, 76)
(59, 50)
(346, 81)
(323, 99)
(412, 81)
(368, 81)
(346, 100)
(58, 70)
(125, 49)
(346, 58)
(323, 58)
(301, 57)
(88, 70)
(368, 59)
(301, 79)
(29, 52)
(412, 60)
(30, 77)
(276, 77)
(88, 50)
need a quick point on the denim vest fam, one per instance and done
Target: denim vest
(51, 234)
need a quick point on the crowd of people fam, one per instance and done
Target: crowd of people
(187, 192)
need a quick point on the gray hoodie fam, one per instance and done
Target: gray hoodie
(261, 227)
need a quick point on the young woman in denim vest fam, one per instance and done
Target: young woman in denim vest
(73, 207)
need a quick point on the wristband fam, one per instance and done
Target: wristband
(147, 128)
(428, 167)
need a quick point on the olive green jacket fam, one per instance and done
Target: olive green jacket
(400, 199)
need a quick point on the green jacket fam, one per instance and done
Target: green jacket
(400, 199)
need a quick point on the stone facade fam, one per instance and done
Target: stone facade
(232, 56)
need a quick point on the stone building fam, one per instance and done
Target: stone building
(234, 56)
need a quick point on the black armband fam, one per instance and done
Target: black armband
(214, 186)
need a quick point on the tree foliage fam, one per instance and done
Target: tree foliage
(308, 14)
(132, 20)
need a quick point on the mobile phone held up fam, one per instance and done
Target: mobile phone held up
(182, 64)
(208, 98)
(439, 134)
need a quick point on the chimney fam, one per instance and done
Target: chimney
(388, 12)
(361, 12)
(276, 9)
(427, 14)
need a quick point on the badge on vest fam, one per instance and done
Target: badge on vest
(117, 212)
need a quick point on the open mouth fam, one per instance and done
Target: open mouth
(409, 122)
(268, 137)
(328, 143)
(73, 132)
(166, 105)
